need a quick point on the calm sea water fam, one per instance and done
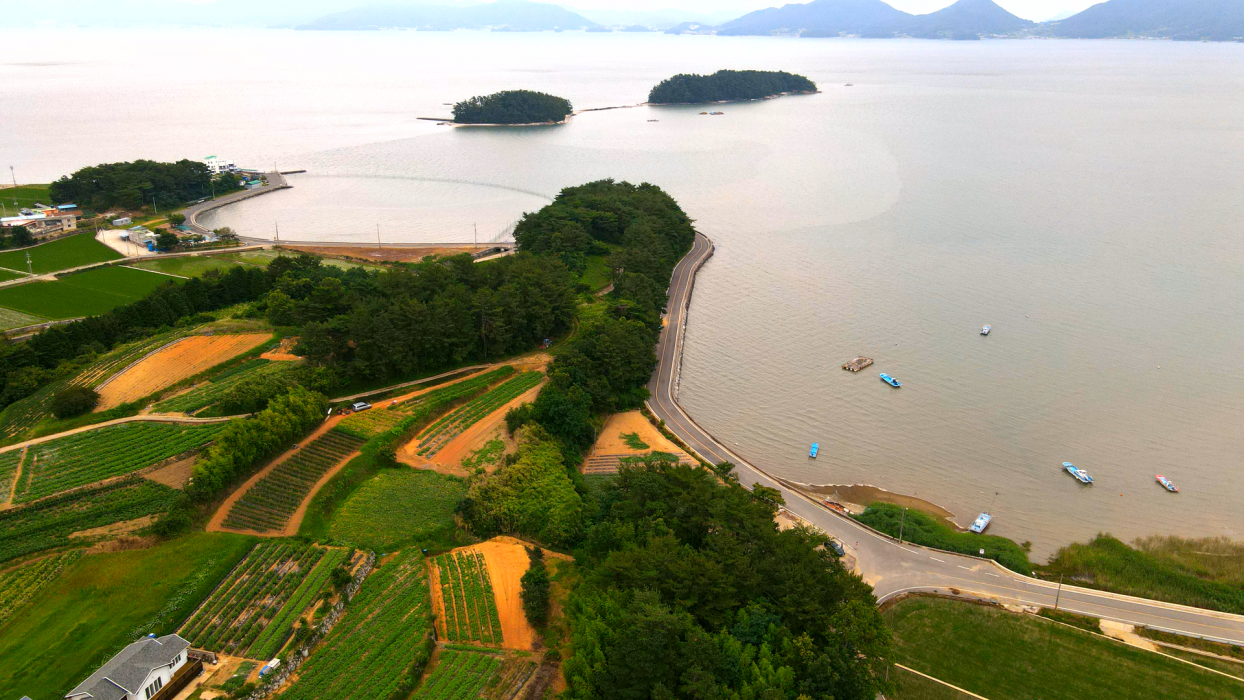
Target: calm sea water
(1086, 199)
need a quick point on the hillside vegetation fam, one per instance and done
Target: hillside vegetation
(726, 85)
(512, 107)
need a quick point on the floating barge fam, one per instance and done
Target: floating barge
(858, 364)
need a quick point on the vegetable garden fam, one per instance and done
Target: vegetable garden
(268, 505)
(466, 592)
(252, 612)
(368, 424)
(379, 648)
(453, 424)
(396, 506)
(207, 394)
(474, 674)
(8, 470)
(50, 522)
(95, 455)
(17, 586)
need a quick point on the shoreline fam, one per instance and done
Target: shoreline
(854, 498)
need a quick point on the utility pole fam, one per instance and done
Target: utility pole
(278, 230)
(14, 175)
(29, 269)
(377, 235)
(902, 521)
(476, 226)
(1060, 592)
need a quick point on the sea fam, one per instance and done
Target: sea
(1083, 198)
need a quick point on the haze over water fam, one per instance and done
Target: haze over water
(1083, 198)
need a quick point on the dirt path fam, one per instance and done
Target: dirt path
(173, 363)
(218, 518)
(474, 437)
(17, 476)
(438, 600)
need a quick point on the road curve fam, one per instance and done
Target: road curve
(890, 567)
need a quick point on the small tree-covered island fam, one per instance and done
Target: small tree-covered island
(513, 107)
(728, 85)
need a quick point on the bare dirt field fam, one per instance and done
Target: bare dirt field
(611, 442)
(284, 352)
(473, 438)
(382, 254)
(173, 475)
(171, 364)
(507, 562)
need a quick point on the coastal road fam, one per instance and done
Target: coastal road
(894, 568)
(276, 181)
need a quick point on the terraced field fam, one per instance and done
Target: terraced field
(370, 423)
(49, 523)
(385, 635)
(466, 590)
(17, 586)
(268, 505)
(397, 506)
(252, 612)
(454, 423)
(209, 393)
(95, 455)
(8, 470)
(474, 674)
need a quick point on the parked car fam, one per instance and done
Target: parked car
(836, 546)
(360, 406)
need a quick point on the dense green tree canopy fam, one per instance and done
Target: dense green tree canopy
(690, 88)
(512, 107)
(131, 185)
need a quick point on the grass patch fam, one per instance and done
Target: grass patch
(597, 274)
(632, 441)
(6, 276)
(87, 293)
(1084, 622)
(1231, 650)
(924, 529)
(1231, 668)
(199, 265)
(910, 686)
(105, 601)
(1206, 573)
(16, 319)
(999, 654)
(397, 507)
(25, 196)
(60, 254)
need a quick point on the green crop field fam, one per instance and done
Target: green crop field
(999, 654)
(24, 196)
(470, 607)
(60, 254)
(370, 423)
(8, 469)
(88, 293)
(94, 455)
(104, 601)
(252, 612)
(383, 642)
(7, 276)
(452, 425)
(206, 394)
(268, 505)
(49, 523)
(460, 673)
(18, 585)
(396, 507)
(16, 319)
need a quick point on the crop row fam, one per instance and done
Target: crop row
(268, 505)
(209, 393)
(274, 635)
(459, 675)
(18, 585)
(8, 470)
(453, 424)
(232, 619)
(382, 641)
(48, 523)
(506, 683)
(368, 424)
(470, 605)
(95, 455)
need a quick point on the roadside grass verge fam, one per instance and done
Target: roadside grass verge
(88, 293)
(103, 602)
(924, 529)
(999, 654)
(398, 507)
(60, 254)
(1207, 573)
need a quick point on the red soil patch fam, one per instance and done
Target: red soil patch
(173, 363)
(473, 438)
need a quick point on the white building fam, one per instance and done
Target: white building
(216, 165)
(137, 672)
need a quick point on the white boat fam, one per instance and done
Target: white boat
(1080, 475)
(985, 330)
(982, 522)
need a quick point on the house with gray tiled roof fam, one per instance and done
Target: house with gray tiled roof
(137, 672)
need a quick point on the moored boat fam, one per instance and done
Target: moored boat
(890, 380)
(1080, 475)
(985, 330)
(1166, 484)
(982, 522)
(812, 452)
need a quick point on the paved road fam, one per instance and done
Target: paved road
(890, 567)
(276, 181)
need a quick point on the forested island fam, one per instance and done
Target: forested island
(728, 85)
(513, 107)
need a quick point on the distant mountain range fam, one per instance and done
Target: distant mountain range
(512, 15)
(1212, 20)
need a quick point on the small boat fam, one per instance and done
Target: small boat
(812, 452)
(716, 113)
(985, 330)
(982, 522)
(1080, 475)
(1166, 484)
(890, 380)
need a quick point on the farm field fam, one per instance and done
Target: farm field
(460, 673)
(466, 593)
(370, 423)
(454, 423)
(16, 319)
(396, 507)
(49, 523)
(208, 393)
(104, 601)
(8, 470)
(7, 276)
(60, 254)
(385, 635)
(18, 585)
(254, 609)
(91, 456)
(999, 654)
(268, 505)
(169, 365)
(25, 196)
(88, 293)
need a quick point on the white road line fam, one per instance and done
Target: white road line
(993, 575)
(936, 559)
(964, 568)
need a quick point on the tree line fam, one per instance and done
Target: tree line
(134, 185)
(512, 107)
(724, 85)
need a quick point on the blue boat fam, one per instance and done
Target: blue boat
(982, 522)
(985, 330)
(1080, 475)
(812, 452)
(890, 380)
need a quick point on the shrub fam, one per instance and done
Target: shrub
(535, 589)
(74, 401)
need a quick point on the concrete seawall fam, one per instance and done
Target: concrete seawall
(276, 181)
